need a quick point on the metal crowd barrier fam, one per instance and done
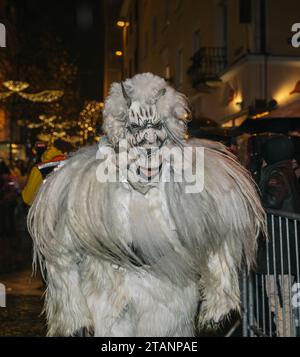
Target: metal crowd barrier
(271, 293)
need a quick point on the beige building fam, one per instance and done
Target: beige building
(231, 58)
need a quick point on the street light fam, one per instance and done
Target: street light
(122, 23)
(17, 88)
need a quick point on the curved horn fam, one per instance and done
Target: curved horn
(125, 95)
(159, 94)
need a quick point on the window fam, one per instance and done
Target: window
(179, 68)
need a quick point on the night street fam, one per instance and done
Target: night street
(22, 315)
(150, 168)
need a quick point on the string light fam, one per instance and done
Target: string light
(4, 95)
(46, 96)
(260, 115)
(88, 118)
(121, 23)
(15, 86)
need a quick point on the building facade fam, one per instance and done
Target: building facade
(7, 20)
(112, 42)
(232, 58)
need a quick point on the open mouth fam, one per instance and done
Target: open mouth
(149, 173)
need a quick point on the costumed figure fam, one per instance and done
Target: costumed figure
(134, 233)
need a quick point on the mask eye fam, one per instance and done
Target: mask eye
(134, 126)
(157, 126)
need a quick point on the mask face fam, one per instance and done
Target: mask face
(144, 126)
(145, 134)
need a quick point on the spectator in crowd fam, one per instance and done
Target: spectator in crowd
(8, 199)
(278, 184)
(50, 159)
(277, 259)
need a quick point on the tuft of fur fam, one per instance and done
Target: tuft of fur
(131, 264)
(172, 107)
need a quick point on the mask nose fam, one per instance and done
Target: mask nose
(150, 136)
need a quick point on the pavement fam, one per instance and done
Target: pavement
(22, 316)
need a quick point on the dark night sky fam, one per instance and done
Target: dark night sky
(79, 23)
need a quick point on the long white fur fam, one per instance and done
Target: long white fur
(187, 247)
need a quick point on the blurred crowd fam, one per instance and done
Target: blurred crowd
(274, 162)
(19, 183)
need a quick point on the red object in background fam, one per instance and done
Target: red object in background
(40, 144)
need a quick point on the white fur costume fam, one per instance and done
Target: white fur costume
(129, 259)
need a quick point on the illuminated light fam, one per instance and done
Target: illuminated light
(44, 137)
(46, 119)
(283, 94)
(101, 104)
(260, 115)
(214, 83)
(5, 95)
(239, 104)
(46, 96)
(121, 23)
(228, 124)
(296, 88)
(34, 126)
(90, 128)
(119, 53)
(15, 86)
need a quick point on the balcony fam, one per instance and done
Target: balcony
(207, 64)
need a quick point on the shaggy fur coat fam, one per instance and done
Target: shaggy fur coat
(126, 261)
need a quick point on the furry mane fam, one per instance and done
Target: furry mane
(131, 263)
(173, 106)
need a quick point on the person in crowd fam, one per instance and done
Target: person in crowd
(19, 172)
(50, 159)
(278, 183)
(277, 259)
(8, 196)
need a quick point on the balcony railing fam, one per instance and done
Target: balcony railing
(207, 64)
